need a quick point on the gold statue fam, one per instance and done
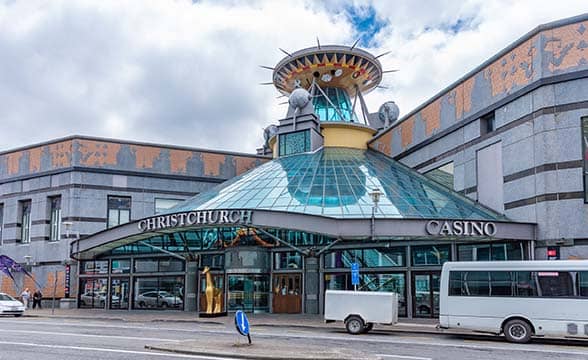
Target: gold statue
(213, 295)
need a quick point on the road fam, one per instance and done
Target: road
(65, 339)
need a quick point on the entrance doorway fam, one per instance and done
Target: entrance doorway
(287, 291)
(425, 298)
(248, 293)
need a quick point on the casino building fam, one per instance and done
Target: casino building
(494, 167)
(276, 237)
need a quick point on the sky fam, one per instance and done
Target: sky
(187, 73)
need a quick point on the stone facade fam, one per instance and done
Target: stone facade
(535, 91)
(84, 172)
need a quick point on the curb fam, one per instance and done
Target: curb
(240, 356)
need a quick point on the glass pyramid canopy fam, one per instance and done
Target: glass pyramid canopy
(336, 182)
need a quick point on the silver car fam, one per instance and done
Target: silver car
(161, 299)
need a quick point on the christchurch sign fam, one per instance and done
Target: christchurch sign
(198, 217)
(461, 228)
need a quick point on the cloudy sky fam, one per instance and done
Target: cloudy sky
(186, 72)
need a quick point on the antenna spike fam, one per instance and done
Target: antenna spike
(318, 42)
(355, 43)
(285, 52)
(389, 71)
(266, 67)
(266, 83)
(382, 87)
(386, 53)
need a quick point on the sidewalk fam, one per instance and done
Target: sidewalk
(265, 320)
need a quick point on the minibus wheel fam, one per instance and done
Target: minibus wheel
(517, 331)
(354, 325)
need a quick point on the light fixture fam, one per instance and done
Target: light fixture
(375, 194)
(338, 72)
(326, 77)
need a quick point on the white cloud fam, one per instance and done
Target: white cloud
(186, 73)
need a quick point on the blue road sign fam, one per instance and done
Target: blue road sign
(241, 323)
(354, 274)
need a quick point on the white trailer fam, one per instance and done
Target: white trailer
(359, 310)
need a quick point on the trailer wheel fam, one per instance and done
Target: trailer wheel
(368, 327)
(517, 331)
(354, 325)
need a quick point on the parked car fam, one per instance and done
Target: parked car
(161, 299)
(97, 299)
(10, 306)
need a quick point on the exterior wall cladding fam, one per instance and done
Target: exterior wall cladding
(84, 171)
(537, 90)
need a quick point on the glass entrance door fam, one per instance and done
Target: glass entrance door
(425, 294)
(287, 293)
(248, 293)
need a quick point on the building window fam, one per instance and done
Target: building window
(487, 124)
(585, 153)
(294, 143)
(55, 218)
(287, 260)
(25, 222)
(162, 205)
(1, 223)
(430, 254)
(443, 175)
(119, 210)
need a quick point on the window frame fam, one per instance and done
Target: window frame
(118, 210)
(26, 222)
(1, 224)
(54, 218)
(584, 138)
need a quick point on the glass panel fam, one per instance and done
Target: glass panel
(336, 182)
(443, 175)
(294, 143)
(430, 254)
(213, 261)
(119, 293)
(386, 282)
(583, 283)
(525, 285)
(501, 283)
(145, 265)
(422, 295)
(55, 218)
(477, 283)
(171, 265)
(159, 293)
(249, 293)
(121, 266)
(338, 282)
(161, 205)
(287, 260)
(94, 267)
(93, 293)
(146, 293)
(555, 283)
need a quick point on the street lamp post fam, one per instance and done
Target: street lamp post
(375, 195)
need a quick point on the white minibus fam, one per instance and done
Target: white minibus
(519, 299)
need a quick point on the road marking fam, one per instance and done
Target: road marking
(374, 338)
(83, 348)
(86, 335)
(403, 357)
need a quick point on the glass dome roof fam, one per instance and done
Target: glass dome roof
(336, 182)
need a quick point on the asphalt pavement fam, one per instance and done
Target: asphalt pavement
(93, 337)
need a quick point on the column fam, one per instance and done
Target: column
(191, 286)
(311, 285)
